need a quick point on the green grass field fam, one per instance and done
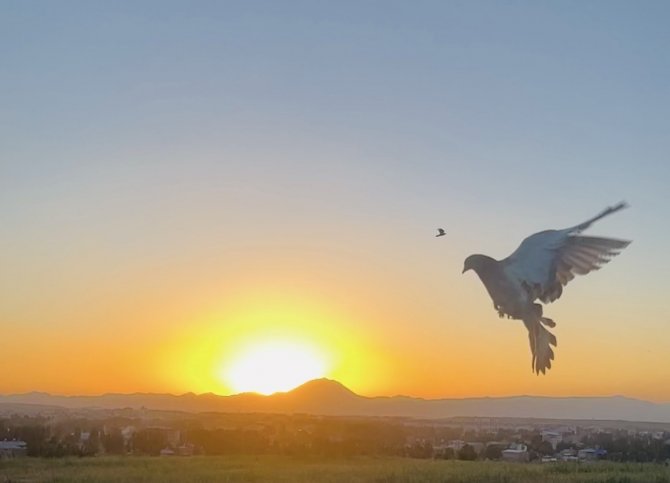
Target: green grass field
(303, 470)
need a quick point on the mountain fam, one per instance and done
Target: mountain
(327, 397)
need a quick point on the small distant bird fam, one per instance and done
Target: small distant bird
(440, 232)
(539, 269)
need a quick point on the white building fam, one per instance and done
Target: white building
(516, 452)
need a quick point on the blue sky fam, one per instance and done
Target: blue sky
(427, 93)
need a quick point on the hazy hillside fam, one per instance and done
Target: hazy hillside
(327, 397)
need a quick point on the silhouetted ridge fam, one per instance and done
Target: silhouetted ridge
(328, 397)
(322, 389)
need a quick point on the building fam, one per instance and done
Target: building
(590, 454)
(571, 438)
(552, 437)
(516, 452)
(167, 452)
(568, 454)
(13, 449)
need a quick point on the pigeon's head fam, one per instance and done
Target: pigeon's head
(477, 263)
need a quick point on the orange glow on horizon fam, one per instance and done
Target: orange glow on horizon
(267, 340)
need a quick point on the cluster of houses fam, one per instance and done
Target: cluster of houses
(485, 438)
(519, 452)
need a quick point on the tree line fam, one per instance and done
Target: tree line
(304, 435)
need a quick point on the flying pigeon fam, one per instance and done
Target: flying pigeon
(440, 232)
(539, 269)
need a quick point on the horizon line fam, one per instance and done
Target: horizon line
(439, 398)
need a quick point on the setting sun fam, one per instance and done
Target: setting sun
(271, 366)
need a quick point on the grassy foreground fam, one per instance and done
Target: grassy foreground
(304, 470)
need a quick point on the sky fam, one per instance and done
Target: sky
(187, 185)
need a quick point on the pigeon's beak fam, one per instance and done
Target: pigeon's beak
(464, 270)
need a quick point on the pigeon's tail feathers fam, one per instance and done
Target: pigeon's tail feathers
(541, 341)
(608, 211)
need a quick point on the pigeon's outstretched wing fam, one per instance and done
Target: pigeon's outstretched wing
(546, 261)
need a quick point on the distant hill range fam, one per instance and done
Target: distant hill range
(327, 397)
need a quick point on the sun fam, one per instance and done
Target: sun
(271, 366)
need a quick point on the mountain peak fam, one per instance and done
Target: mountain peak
(323, 388)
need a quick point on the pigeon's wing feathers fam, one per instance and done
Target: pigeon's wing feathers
(579, 255)
(533, 263)
(545, 262)
(606, 212)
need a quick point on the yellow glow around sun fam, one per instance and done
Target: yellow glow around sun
(272, 366)
(265, 341)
